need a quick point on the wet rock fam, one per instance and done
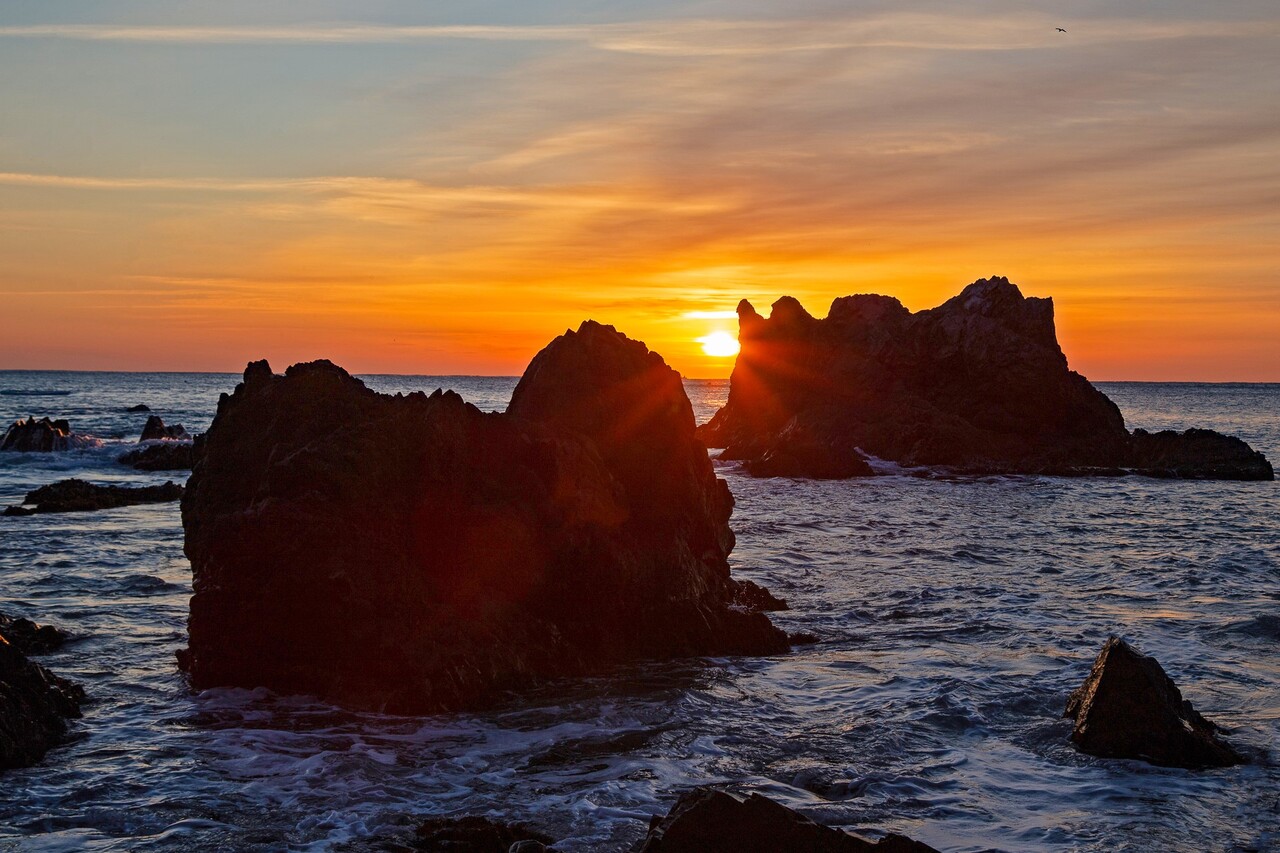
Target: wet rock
(29, 637)
(81, 496)
(155, 430)
(978, 385)
(162, 456)
(477, 835)
(37, 436)
(1128, 707)
(35, 705)
(141, 407)
(413, 553)
(711, 821)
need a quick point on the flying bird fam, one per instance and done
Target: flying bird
(1060, 29)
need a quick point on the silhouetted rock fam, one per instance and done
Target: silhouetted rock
(37, 436)
(414, 553)
(978, 384)
(476, 835)
(29, 637)
(711, 821)
(141, 407)
(162, 456)
(80, 496)
(34, 707)
(1129, 708)
(155, 430)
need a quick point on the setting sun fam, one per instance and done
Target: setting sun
(719, 344)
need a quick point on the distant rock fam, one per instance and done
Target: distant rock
(978, 385)
(141, 407)
(29, 637)
(1129, 708)
(35, 705)
(155, 430)
(711, 821)
(80, 496)
(37, 436)
(416, 554)
(162, 456)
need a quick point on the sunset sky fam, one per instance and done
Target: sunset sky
(431, 187)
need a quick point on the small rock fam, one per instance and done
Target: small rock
(35, 705)
(29, 637)
(141, 407)
(165, 456)
(37, 436)
(155, 430)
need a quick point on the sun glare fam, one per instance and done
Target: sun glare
(719, 344)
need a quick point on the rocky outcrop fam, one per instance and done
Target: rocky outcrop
(155, 430)
(978, 384)
(1128, 707)
(35, 705)
(415, 554)
(80, 496)
(38, 436)
(141, 407)
(712, 821)
(31, 638)
(162, 456)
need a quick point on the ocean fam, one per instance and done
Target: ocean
(954, 615)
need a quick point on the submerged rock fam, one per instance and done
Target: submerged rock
(29, 637)
(1128, 707)
(37, 436)
(141, 407)
(416, 554)
(35, 705)
(162, 456)
(155, 430)
(711, 821)
(978, 384)
(81, 496)
(477, 835)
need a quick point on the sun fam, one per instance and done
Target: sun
(719, 344)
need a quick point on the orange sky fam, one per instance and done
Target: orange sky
(186, 193)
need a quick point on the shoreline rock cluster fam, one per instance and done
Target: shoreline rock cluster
(978, 385)
(35, 704)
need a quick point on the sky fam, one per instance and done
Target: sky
(441, 188)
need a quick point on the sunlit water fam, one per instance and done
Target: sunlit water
(955, 617)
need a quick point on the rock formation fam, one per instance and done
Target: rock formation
(37, 436)
(31, 638)
(35, 705)
(978, 384)
(414, 553)
(80, 496)
(140, 407)
(162, 456)
(1129, 708)
(711, 821)
(155, 430)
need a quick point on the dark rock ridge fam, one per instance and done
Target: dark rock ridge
(162, 456)
(37, 436)
(712, 821)
(155, 430)
(35, 705)
(1128, 707)
(80, 496)
(415, 554)
(978, 384)
(31, 638)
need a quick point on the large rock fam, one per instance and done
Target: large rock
(155, 430)
(414, 553)
(38, 436)
(978, 384)
(1129, 708)
(712, 821)
(35, 705)
(81, 496)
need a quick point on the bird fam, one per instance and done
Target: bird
(1060, 29)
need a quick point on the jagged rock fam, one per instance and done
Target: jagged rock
(162, 456)
(711, 821)
(141, 407)
(414, 553)
(80, 496)
(155, 430)
(477, 835)
(37, 436)
(978, 384)
(29, 637)
(1128, 707)
(34, 707)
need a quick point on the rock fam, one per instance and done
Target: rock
(162, 456)
(80, 496)
(155, 430)
(978, 384)
(37, 436)
(415, 554)
(35, 705)
(710, 821)
(141, 407)
(477, 835)
(1129, 708)
(29, 637)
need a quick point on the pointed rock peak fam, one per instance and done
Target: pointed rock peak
(256, 371)
(788, 309)
(746, 309)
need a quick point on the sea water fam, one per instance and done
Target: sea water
(954, 617)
